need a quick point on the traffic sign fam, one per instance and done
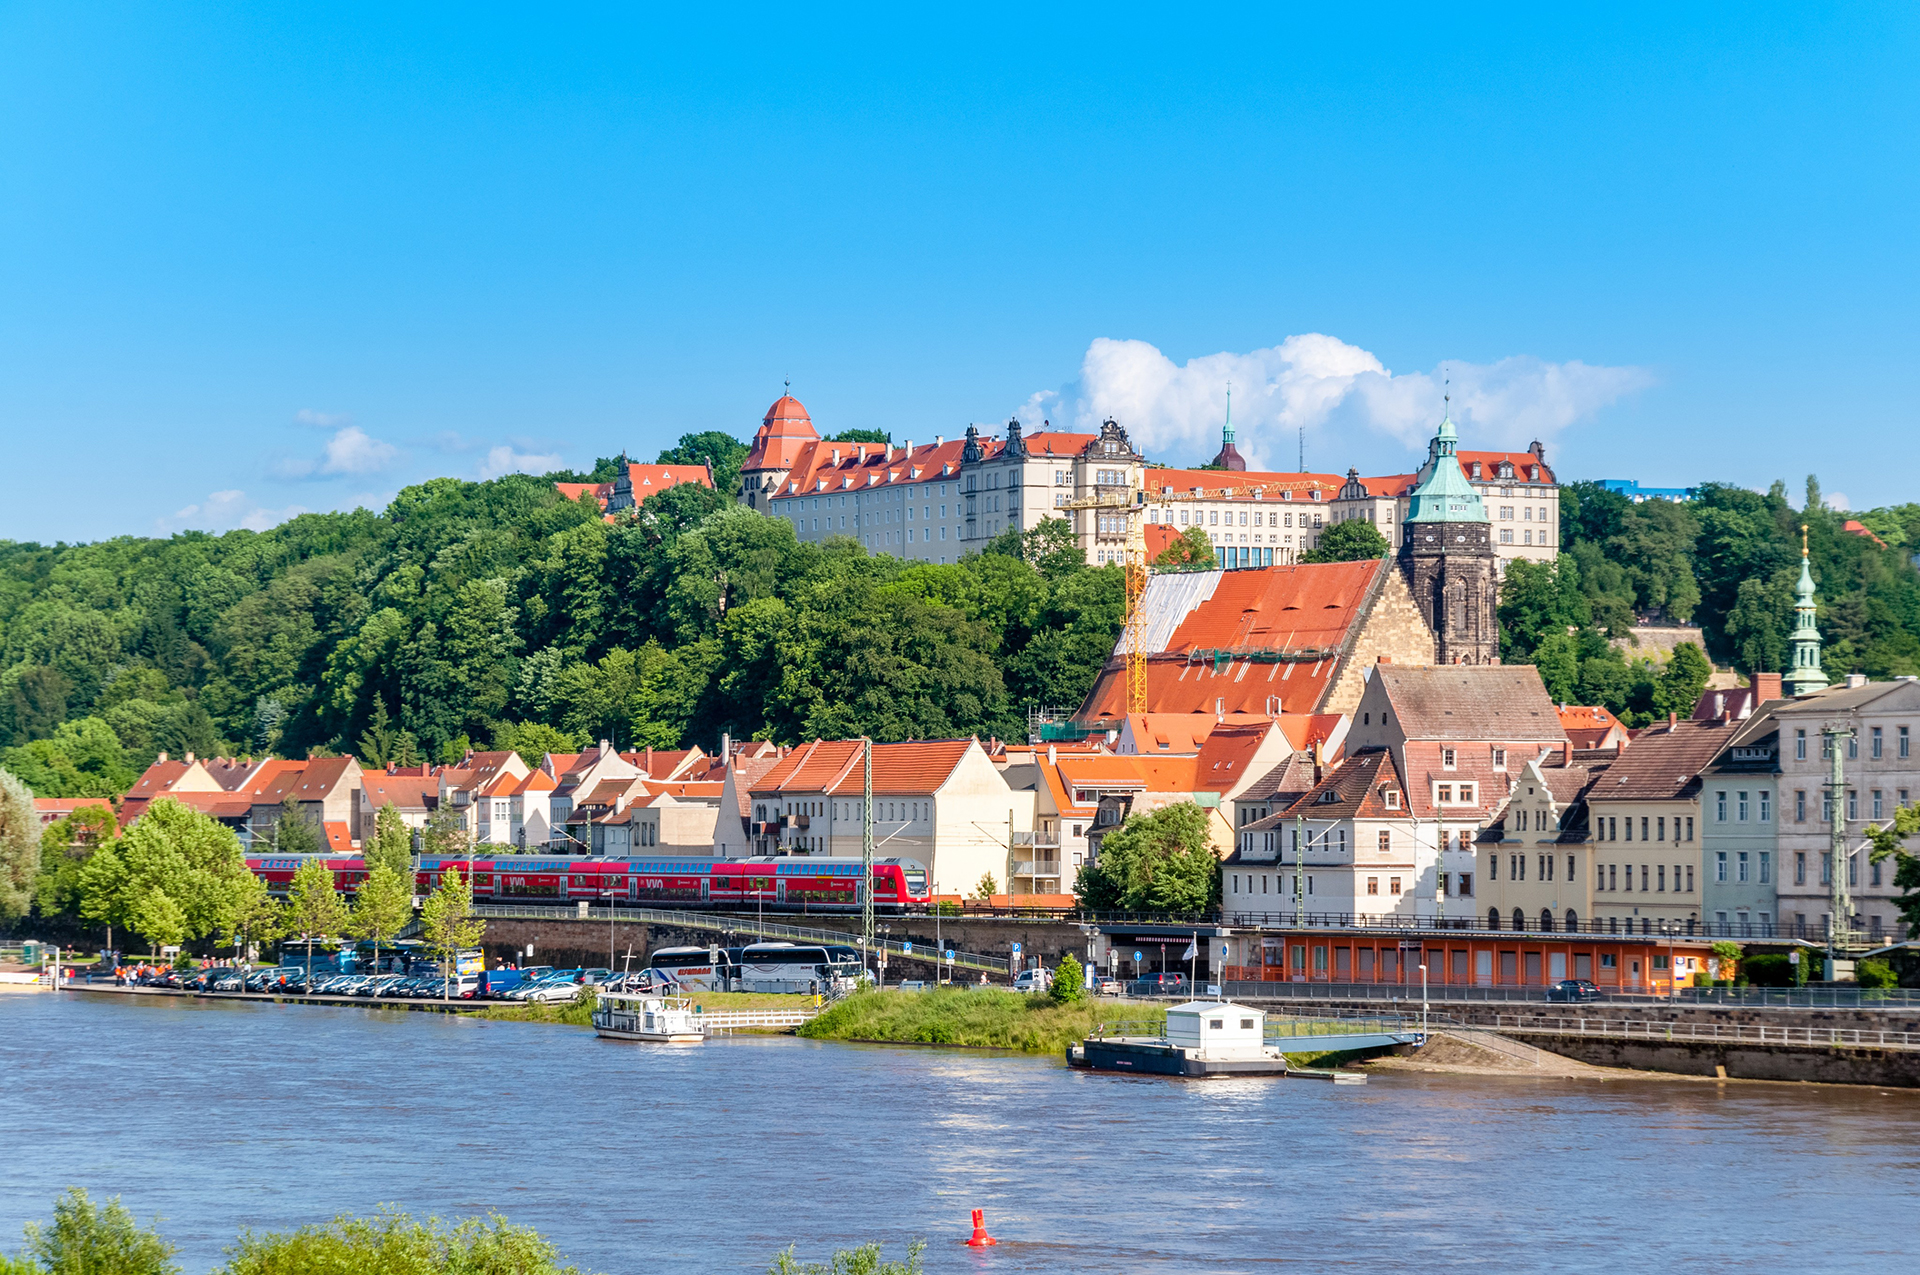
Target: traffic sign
(907, 946)
(1137, 958)
(949, 956)
(1016, 949)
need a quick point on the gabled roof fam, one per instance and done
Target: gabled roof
(405, 792)
(1499, 702)
(834, 766)
(1287, 608)
(1350, 790)
(1177, 733)
(1228, 752)
(339, 838)
(645, 480)
(1114, 773)
(1664, 761)
(1285, 783)
(1589, 725)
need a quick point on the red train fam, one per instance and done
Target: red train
(796, 884)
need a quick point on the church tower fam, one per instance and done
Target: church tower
(1806, 675)
(1229, 457)
(1448, 558)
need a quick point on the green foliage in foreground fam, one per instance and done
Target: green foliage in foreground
(1160, 862)
(89, 1239)
(982, 1019)
(864, 1260)
(394, 1244)
(85, 1239)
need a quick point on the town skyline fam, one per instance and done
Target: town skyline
(273, 262)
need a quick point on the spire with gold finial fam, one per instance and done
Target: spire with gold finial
(1806, 675)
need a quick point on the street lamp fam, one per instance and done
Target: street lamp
(884, 931)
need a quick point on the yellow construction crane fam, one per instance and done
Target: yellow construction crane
(1131, 503)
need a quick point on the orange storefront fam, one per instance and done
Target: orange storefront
(1471, 959)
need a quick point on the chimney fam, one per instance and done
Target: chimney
(1052, 756)
(161, 757)
(909, 447)
(189, 757)
(1855, 680)
(939, 439)
(1566, 752)
(1766, 686)
(726, 748)
(1673, 720)
(1383, 659)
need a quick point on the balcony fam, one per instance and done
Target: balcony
(1036, 868)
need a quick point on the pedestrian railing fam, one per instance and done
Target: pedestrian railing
(1867, 998)
(1721, 1033)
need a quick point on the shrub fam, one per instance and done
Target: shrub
(1769, 970)
(1871, 973)
(1067, 980)
(1702, 980)
(85, 1239)
(394, 1244)
(856, 1261)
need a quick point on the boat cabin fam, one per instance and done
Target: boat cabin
(1217, 1029)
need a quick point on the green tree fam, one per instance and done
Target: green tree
(65, 848)
(19, 848)
(534, 740)
(383, 743)
(1190, 549)
(257, 918)
(88, 1239)
(986, 887)
(1068, 980)
(292, 834)
(1351, 541)
(1159, 862)
(448, 924)
(1889, 842)
(174, 875)
(1683, 680)
(383, 905)
(879, 436)
(82, 758)
(315, 909)
(391, 842)
(710, 447)
(157, 917)
(446, 834)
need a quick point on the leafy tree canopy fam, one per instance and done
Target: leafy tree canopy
(1352, 541)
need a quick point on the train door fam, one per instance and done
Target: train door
(706, 889)
(779, 889)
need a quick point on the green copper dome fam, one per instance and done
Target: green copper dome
(1443, 493)
(1806, 676)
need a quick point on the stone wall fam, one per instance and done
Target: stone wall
(1893, 1068)
(1393, 627)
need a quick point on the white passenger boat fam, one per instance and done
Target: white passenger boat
(662, 1020)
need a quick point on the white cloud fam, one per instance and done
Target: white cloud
(1320, 383)
(504, 460)
(321, 420)
(351, 450)
(224, 511)
(1837, 501)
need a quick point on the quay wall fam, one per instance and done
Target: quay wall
(1541, 1013)
(1866, 1065)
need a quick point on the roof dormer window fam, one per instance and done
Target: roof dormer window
(1392, 797)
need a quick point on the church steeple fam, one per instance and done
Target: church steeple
(1229, 457)
(1448, 559)
(1443, 493)
(1806, 675)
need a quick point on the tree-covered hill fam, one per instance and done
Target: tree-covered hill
(1726, 561)
(500, 613)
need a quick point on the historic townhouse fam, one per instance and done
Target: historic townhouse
(1740, 827)
(1645, 818)
(1536, 859)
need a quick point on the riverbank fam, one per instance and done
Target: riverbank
(579, 1013)
(989, 1019)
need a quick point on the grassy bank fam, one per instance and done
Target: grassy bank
(989, 1019)
(580, 1013)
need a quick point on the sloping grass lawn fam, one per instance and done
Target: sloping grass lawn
(982, 1019)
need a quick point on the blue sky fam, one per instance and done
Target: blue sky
(255, 260)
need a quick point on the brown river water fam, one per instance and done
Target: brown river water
(636, 1158)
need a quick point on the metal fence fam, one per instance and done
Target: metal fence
(1723, 1033)
(1691, 997)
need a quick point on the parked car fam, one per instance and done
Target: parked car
(1032, 980)
(1168, 984)
(554, 990)
(1108, 987)
(1573, 989)
(233, 980)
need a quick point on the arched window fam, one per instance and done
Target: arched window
(1493, 918)
(1573, 921)
(1546, 921)
(1519, 919)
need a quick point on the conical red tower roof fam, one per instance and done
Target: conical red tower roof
(782, 431)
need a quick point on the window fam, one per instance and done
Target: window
(1874, 745)
(1499, 759)
(1853, 804)
(1799, 867)
(1766, 867)
(1600, 876)
(1720, 864)
(1386, 842)
(1466, 885)
(1393, 885)
(1443, 792)
(1393, 799)
(1853, 747)
(1506, 535)
(1800, 805)
(1743, 868)
(1876, 804)
(1719, 807)
(1660, 829)
(1446, 758)
(1613, 877)
(1800, 745)
(1689, 828)
(1373, 885)
(1766, 805)
(1663, 879)
(1904, 742)
(1466, 794)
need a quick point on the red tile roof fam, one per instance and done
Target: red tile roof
(1475, 702)
(1229, 750)
(405, 792)
(1240, 484)
(646, 480)
(1588, 726)
(1351, 790)
(1665, 760)
(1289, 608)
(338, 839)
(783, 431)
(913, 767)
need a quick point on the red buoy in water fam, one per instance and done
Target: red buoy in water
(980, 1237)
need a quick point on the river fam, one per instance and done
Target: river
(633, 1158)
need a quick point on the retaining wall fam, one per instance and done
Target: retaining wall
(1866, 1065)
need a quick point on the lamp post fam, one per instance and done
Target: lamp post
(608, 895)
(884, 931)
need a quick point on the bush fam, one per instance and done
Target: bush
(1871, 973)
(1067, 980)
(395, 1244)
(856, 1261)
(85, 1240)
(1702, 980)
(1770, 970)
